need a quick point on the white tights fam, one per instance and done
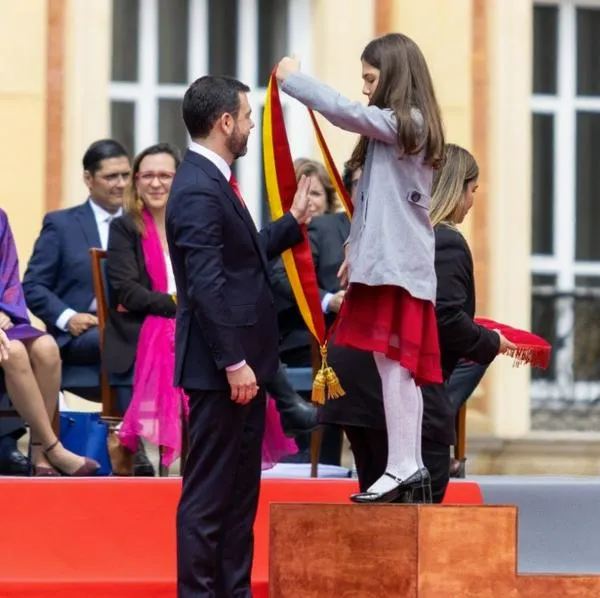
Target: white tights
(403, 405)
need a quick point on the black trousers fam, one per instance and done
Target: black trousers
(369, 446)
(220, 496)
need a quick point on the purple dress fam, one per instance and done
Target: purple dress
(12, 298)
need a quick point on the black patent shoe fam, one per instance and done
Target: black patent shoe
(402, 488)
(421, 494)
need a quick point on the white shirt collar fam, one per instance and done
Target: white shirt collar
(101, 215)
(217, 160)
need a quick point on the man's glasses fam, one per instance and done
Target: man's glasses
(115, 176)
(148, 177)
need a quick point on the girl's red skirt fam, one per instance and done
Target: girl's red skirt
(389, 320)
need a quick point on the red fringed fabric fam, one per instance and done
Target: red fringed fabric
(531, 348)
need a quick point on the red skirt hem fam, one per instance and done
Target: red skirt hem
(389, 320)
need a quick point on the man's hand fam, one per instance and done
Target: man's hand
(505, 344)
(299, 209)
(286, 67)
(4, 346)
(5, 321)
(79, 323)
(243, 385)
(335, 303)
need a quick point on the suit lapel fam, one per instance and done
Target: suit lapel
(87, 220)
(214, 173)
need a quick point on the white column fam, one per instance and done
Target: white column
(87, 77)
(250, 166)
(510, 42)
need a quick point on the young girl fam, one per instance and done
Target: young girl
(389, 306)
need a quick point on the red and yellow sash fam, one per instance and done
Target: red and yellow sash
(281, 185)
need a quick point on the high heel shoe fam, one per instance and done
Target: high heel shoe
(41, 471)
(458, 468)
(89, 467)
(403, 487)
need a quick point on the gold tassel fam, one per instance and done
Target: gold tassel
(326, 382)
(318, 390)
(334, 388)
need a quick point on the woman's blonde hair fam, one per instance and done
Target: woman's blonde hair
(308, 167)
(132, 202)
(450, 183)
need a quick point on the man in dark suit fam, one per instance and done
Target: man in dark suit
(226, 339)
(58, 282)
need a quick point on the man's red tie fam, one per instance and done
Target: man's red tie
(236, 189)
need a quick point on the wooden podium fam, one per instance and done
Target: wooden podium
(405, 551)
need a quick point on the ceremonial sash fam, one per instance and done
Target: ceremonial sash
(280, 179)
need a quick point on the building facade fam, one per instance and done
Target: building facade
(519, 85)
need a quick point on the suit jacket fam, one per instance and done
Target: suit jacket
(131, 290)
(391, 239)
(459, 338)
(225, 307)
(59, 272)
(327, 235)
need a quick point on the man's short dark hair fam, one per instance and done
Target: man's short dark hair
(207, 99)
(102, 150)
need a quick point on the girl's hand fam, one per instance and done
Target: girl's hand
(286, 67)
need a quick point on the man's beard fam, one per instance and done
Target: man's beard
(237, 144)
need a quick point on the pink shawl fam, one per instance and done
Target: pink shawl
(155, 409)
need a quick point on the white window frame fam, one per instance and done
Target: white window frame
(563, 263)
(147, 91)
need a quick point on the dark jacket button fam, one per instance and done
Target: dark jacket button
(415, 196)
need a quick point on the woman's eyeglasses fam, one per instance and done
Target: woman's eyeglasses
(148, 177)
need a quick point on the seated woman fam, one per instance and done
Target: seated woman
(31, 365)
(361, 412)
(140, 332)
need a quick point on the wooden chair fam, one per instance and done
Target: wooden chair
(460, 448)
(108, 394)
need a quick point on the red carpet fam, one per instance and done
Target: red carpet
(115, 537)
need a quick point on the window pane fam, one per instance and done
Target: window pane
(588, 52)
(122, 124)
(542, 184)
(545, 45)
(543, 319)
(125, 33)
(588, 186)
(173, 17)
(586, 342)
(222, 37)
(170, 124)
(272, 36)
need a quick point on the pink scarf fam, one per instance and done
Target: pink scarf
(155, 409)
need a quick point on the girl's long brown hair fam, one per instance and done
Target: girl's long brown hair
(404, 84)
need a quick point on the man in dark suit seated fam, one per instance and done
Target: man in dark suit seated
(226, 339)
(58, 282)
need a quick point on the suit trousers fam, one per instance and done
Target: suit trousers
(369, 447)
(220, 496)
(83, 349)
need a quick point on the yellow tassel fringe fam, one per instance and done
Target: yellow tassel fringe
(326, 383)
